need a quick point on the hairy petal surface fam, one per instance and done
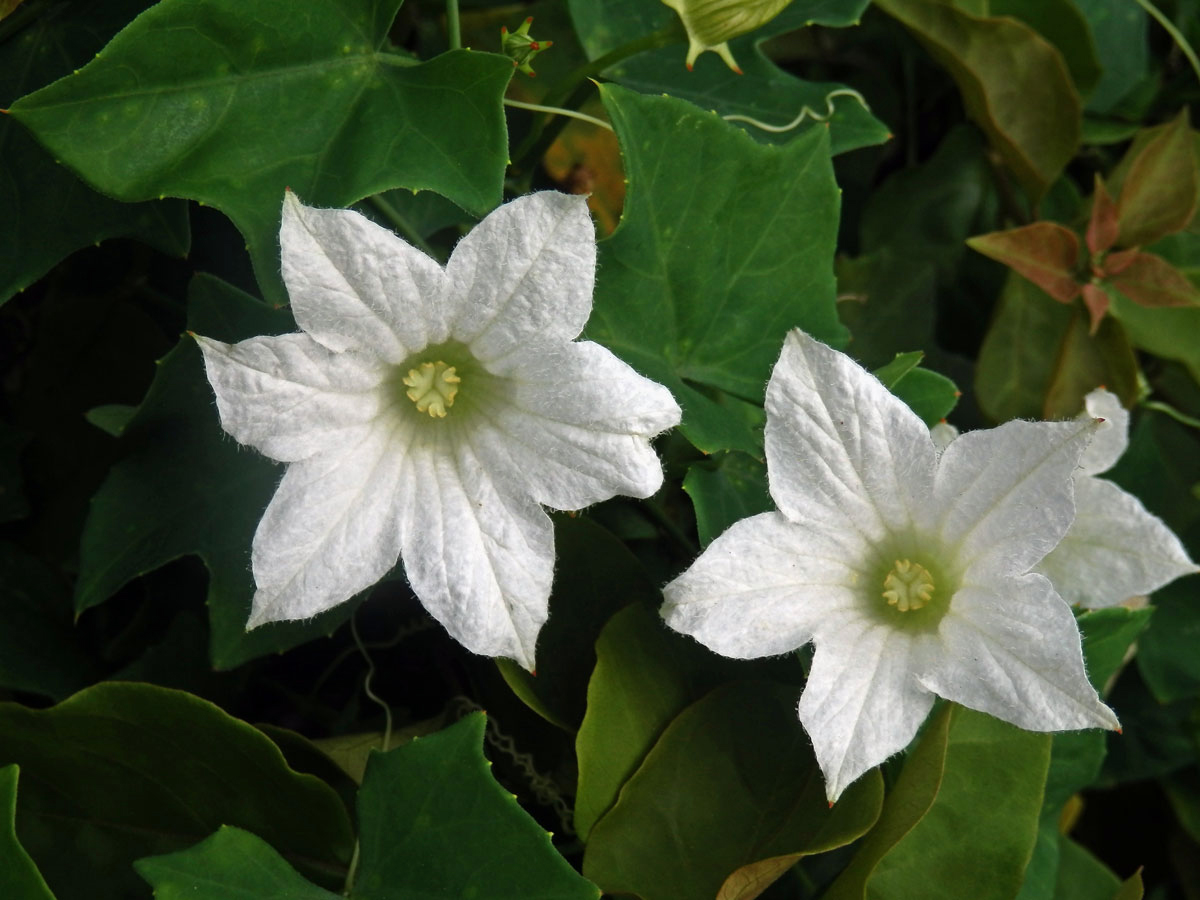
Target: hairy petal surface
(1004, 494)
(1012, 649)
(354, 284)
(1115, 550)
(523, 276)
(762, 588)
(480, 557)
(332, 529)
(573, 427)
(863, 701)
(1112, 437)
(289, 397)
(843, 454)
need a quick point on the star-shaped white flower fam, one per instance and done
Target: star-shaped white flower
(908, 570)
(429, 413)
(1116, 549)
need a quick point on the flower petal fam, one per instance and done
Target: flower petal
(843, 453)
(288, 396)
(480, 559)
(1005, 494)
(1115, 549)
(574, 425)
(1112, 437)
(523, 275)
(762, 588)
(354, 284)
(862, 702)
(1012, 649)
(331, 530)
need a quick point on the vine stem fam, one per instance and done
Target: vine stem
(558, 111)
(1175, 33)
(453, 30)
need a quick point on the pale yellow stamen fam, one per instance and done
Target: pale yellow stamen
(432, 386)
(907, 586)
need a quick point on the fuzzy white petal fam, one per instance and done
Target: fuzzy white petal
(862, 702)
(574, 425)
(1005, 494)
(480, 559)
(289, 397)
(1115, 549)
(943, 434)
(523, 275)
(761, 588)
(843, 453)
(1012, 649)
(1112, 437)
(332, 529)
(354, 284)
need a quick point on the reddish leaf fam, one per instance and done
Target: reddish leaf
(1118, 262)
(1103, 226)
(1150, 280)
(1158, 196)
(1096, 302)
(1046, 253)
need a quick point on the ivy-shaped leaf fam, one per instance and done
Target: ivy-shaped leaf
(185, 487)
(725, 245)
(48, 211)
(231, 101)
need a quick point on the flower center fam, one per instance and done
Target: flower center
(432, 386)
(907, 586)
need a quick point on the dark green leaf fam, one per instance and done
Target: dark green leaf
(683, 300)
(733, 488)
(120, 771)
(230, 101)
(965, 762)
(112, 418)
(727, 800)
(19, 875)
(1062, 24)
(1085, 361)
(1081, 876)
(1119, 30)
(1014, 84)
(645, 676)
(13, 503)
(39, 650)
(762, 91)
(231, 865)
(48, 212)
(434, 823)
(887, 299)
(1167, 655)
(184, 487)
(595, 575)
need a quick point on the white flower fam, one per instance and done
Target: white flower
(426, 413)
(1116, 549)
(909, 571)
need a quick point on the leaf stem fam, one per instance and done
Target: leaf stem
(401, 224)
(453, 30)
(559, 111)
(1175, 33)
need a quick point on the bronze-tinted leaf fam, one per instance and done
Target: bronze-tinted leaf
(1158, 194)
(1150, 280)
(1045, 252)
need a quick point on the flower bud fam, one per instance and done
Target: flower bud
(520, 47)
(711, 24)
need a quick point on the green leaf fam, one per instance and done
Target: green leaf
(1169, 332)
(1062, 24)
(595, 576)
(1014, 84)
(930, 395)
(1086, 361)
(231, 865)
(728, 799)
(645, 676)
(684, 300)
(230, 101)
(1120, 32)
(39, 650)
(1167, 655)
(1018, 356)
(1081, 876)
(121, 771)
(725, 490)
(762, 91)
(184, 487)
(19, 875)
(964, 762)
(1107, 636)
(112, 418)
(1044, 252)
(434, 823)
(1158, 192)
(48, 212)
(887, 299)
